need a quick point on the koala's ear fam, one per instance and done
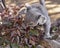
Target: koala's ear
(28, 6)
(42, 2)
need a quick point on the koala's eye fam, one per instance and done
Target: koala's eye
(38, 17)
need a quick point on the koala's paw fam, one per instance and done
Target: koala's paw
(47, 37)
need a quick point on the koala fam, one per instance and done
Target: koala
(36, 14)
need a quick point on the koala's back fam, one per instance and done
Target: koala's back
(41, 8)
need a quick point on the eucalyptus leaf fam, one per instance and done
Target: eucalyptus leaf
(33, 46)
(54, 28)
(1, 41)
(14, 45)
(34, 32)
(26, 46)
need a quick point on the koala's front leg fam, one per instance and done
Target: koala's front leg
(47, 29)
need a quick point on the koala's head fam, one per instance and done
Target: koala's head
(34, 15)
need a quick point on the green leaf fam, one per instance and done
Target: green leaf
(15, 45)
(54, 28)
(26, 46)
(34, 32)
(33, 46)
(1, 41)
(10, 45)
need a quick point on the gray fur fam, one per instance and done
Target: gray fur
(35, 12)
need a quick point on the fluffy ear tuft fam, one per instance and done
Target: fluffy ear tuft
(42, 2)
(28, 6)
